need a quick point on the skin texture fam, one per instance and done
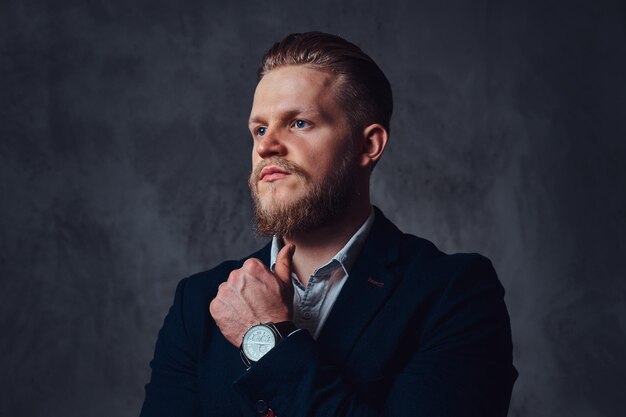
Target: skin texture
(296, 118)
(293, 114)
(252, 294)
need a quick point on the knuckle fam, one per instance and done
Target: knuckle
(220, 290)
(213, 307)
(233, 278)
(253, 264)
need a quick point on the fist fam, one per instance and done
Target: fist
(252, 295)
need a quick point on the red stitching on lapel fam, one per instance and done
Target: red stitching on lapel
(377, 283)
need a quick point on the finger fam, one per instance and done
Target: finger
(283, 266)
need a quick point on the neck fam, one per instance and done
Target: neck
(316, 247)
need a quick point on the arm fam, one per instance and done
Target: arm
(172, 390)
(460, 365)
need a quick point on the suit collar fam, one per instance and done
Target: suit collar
(382, 242)
(369, 284)
(346, 255)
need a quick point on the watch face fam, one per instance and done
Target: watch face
(257, 342)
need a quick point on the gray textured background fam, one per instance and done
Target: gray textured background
(125, 155)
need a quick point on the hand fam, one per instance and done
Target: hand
(253, 295)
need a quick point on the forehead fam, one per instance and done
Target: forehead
(295, 86)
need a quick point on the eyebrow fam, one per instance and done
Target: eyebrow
(289, 114)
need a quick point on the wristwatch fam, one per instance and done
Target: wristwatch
(260, 338)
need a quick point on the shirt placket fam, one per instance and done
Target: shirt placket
(306, 313)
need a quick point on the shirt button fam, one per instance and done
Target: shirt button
(307, 316)
(262, 407)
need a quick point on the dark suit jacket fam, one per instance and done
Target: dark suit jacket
(414, 332)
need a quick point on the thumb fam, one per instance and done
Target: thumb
(283, 266)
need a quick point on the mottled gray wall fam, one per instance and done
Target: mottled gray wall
(125, 151)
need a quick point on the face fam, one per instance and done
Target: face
(303, 158)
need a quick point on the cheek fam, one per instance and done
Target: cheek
(255, 158)
(325, 163)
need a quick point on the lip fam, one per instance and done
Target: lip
(272, 173)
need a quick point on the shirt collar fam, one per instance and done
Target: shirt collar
(346, 255)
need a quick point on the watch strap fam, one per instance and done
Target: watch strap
(284, 328)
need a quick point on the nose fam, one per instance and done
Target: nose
(270, 144)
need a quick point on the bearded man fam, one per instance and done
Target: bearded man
(341, 314)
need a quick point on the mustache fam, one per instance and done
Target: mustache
(288, 166)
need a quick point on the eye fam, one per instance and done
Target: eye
(260, 131)
(301, 124)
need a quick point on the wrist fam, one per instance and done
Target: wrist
(259, 339)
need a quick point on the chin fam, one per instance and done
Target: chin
(274, 204)
(273, 196)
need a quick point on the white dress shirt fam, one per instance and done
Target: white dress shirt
(311, 305)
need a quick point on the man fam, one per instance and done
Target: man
(341, 314)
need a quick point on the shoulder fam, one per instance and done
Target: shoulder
(420, 262)
(423, 254)
(430, 267)
(456, 293)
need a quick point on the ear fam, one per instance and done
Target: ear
(374, 141)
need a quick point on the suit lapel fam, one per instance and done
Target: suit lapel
(369, 284)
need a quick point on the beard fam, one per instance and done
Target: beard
(324, 202)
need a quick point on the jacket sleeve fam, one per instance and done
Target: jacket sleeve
(459, 365)
(173, 389)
